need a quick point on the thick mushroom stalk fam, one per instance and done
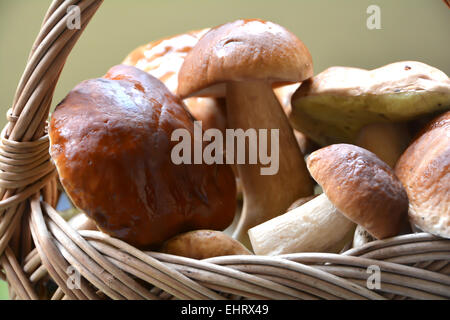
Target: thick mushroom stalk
(303, 230)
(387, 140)
(268, 189)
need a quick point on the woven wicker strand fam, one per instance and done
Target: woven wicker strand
(39, 250)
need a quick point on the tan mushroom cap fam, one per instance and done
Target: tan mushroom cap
(403, 76)
(362, 187)
(243, 50)
(333, 106)
(424, 170)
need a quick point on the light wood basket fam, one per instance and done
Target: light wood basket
(37, 245)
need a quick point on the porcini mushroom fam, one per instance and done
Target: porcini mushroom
(369, 108)
(244, 59)
(203, 244)
(424, 170)
(111, 143)
(358, 188)
(163, 59)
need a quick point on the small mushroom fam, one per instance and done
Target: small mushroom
(203, 244)
(369, 108)
(243, 59)
(111, 142)
(358, 188)
(163, 59)
(424, 170)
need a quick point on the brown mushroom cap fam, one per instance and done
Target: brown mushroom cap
(362, 187)
(111, 142)
(243, 59)
(243, 50)
(424, 170)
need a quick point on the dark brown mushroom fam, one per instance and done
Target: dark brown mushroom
(111, 143)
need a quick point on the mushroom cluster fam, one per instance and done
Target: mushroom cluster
(351, 164)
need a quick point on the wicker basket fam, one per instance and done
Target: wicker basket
(36, 243)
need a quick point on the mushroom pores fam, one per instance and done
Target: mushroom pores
(111, 143)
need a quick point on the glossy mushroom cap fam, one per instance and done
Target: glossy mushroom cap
(111, 143)
(424, 170)
(243, 50)
(362, 187)
(163, 59)
(333, 106)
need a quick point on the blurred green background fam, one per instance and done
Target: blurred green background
(334, 31)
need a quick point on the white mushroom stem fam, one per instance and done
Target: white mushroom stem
(361, 237)
(316, 226)
(253, 105)
(387, 140)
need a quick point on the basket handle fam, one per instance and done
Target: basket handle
(25, 166)
(46, 61)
